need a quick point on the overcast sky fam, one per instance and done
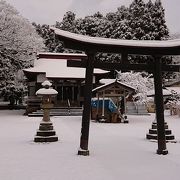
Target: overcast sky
(50, 11)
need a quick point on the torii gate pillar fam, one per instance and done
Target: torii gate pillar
(83, 150)
(161, 138)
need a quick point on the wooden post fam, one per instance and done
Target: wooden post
(62, 95)
(97, 109)
(159, 106)
(103, 108)
(124, 58)
(73, 89)
(79, 93)
(87, 105)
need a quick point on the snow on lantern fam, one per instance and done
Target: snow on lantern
(46, 133)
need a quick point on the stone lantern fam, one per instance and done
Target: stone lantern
(46, 133)
(153, 132)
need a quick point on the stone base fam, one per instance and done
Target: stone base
(45, 133)
(83, 152)
(154, 125)
(162, 152)
(45, 139)
(126, 121)
(152, 135)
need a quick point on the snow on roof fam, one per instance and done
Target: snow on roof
(109, 41)
(108, 82)
(44, 91)
(47, 83)
(166, 92)
(176, 89)
(55, 68)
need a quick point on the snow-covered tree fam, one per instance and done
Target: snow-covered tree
(7, 76)
(141, 82)
(120, 24)
(136, 18)
(161, 31)
(91, 25)
(19, 43)
(147, 20)
(139, 21)
(52, 44)
(68, 22)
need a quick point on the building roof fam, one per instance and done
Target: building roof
(166, 92)
(175, 89)
(175, 83)
(109, 82)
(57, 68)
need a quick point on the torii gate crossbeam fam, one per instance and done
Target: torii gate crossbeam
(93, 45)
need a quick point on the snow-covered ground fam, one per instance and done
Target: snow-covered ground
(117, 151)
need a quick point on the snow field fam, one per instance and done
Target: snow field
(117, 151)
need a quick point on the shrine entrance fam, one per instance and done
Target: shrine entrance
(68, 93)
(92, 45)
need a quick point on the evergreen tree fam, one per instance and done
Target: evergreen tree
(51, 43)
(7, 75)
(121, 29)
(147, 21)
(68, 22)
(137, 18)
(91, 25)
(161, 31)
(149, 26)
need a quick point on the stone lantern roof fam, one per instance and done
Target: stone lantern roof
(46, 90)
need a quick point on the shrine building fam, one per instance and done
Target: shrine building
(68, 81)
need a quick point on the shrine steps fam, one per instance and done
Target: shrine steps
(59, 111)
(133, 109)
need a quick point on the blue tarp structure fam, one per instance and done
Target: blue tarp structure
(108, 104)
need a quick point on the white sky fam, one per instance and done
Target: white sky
(50, 11)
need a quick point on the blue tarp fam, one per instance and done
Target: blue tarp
(108, 104)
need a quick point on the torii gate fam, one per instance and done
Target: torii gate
(93, 45)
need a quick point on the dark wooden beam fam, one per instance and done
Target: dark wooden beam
(125, 66)
(62, 56)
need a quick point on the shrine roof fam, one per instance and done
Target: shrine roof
(108, 82)
(97, 44)
(57, 68)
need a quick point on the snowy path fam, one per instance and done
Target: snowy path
(117, 151)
